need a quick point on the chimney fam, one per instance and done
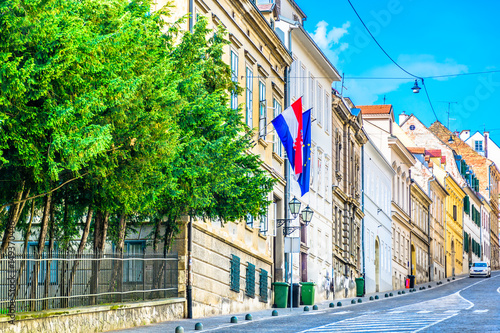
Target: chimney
(402, 117)
(486, 137)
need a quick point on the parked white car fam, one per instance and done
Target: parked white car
(480, 268)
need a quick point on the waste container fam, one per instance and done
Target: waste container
(295, 295)
(281, 294)
(307, 293)
(360, 287)
(412, 281)
(407, 283)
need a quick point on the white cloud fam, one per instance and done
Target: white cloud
(367, 91)
(327, 39)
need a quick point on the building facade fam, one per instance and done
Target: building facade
(379, 122)
(311, 77)
(420, 236)
(377, 228)
(229, 268)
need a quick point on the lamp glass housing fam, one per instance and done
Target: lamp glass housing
(294, 206)
(307, 215)
(450, 140)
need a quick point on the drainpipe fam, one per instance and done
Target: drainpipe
(431, 263)
(363, 210)
(445, 234)
(189, 287)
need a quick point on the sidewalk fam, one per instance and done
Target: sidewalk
(217, 322)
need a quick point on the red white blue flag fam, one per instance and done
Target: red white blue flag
(289, 127)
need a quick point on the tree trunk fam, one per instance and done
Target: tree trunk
(118, 266)
(25, 246)
(100, 231)
(156, 266)
(81, 247)
(49, 259)
(41, 245)
(12, 222)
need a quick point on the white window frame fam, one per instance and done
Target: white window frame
(234, 78)
(249, 96)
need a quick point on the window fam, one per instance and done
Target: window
(276, 140)
(250, 280)
(264, 223)
(133, 270)
(42, 273)
(319, 93)
(455, 212)
(328, 110)
(249, 97)
(478, 145)
(234, 274)
(262, 110)
(249, 219)
(303, 84)
(234, 78)
(311, 96)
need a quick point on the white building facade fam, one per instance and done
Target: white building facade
(377, 229)
(311, 77)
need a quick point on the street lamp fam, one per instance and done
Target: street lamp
(294, 207)
(415, 88)
(450, 140)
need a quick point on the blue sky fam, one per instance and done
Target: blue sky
(426, 38)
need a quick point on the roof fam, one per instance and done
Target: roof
(375, 109)
(479, 164)
(416, 150)
(266, 7)
(433, 152)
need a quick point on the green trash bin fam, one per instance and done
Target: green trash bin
(307, 293)
(281, 294)
(360, 287)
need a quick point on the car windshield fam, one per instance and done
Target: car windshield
(479, 264)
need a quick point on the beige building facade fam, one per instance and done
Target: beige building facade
(233, 265)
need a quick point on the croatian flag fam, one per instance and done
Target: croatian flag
(289, 127)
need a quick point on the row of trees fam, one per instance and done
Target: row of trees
(110, 117)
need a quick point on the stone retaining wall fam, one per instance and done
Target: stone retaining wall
(96, 318)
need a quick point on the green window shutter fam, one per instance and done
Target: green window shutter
(263, 285)
(466, 205)
(235, 274)
(250, 281)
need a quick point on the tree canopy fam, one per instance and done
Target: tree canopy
(106, 107)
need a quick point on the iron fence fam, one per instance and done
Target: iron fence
(63, 280)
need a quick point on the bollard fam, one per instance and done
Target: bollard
(390, 294)
(386, 295)
(234, 320)
(360, 300)
(198, 327)
(429, 286)
(399, 292)
(179, 329)
(339, 303)
(403, 292)
(332, 305)
(353, 301)
(371, 298)
(275, 313)
(248, 317)
(315, 307)
(376, 297)
(306, 308)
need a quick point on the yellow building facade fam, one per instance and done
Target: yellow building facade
(453, 223)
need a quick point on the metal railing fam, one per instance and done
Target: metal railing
(63, 280)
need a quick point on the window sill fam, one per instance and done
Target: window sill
(278, 158)
(263, 143)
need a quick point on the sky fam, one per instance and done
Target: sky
(426, 38)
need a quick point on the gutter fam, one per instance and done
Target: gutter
(363, 210)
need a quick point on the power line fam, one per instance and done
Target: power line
(388, 56)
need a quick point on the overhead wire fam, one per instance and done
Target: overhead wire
(388, 56)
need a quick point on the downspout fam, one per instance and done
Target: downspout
(363, 210)
(409, 213)
(189, 287)
(431, 263)
(445, 231)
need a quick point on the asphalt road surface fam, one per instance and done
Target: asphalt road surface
(461, 305)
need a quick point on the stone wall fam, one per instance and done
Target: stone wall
(96, 318)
